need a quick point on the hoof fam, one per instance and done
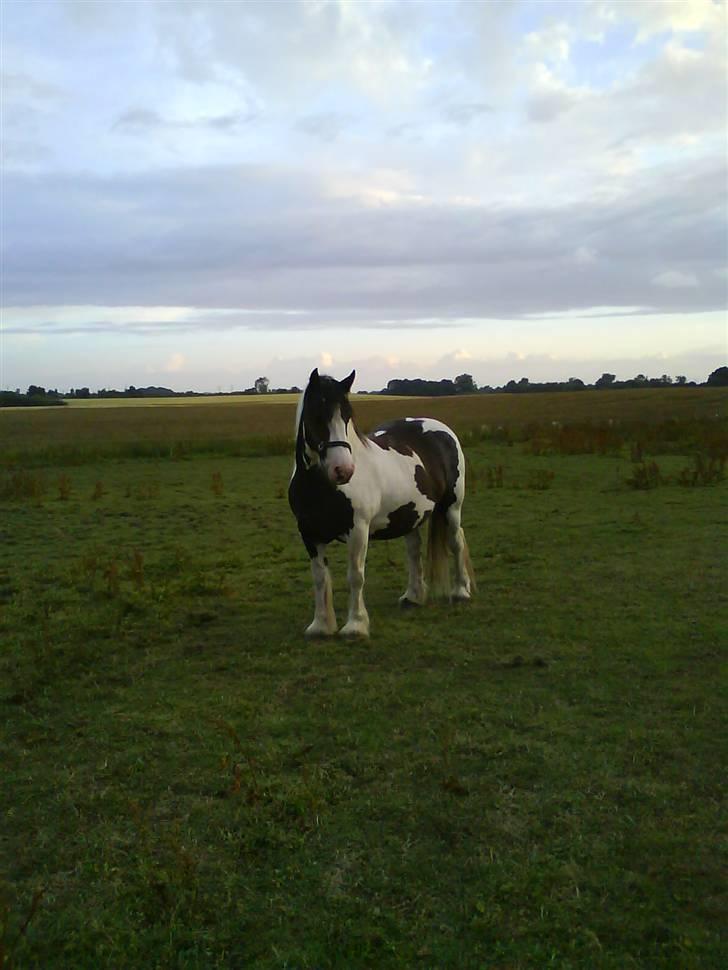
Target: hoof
(407, 604)
(354, 631)
(460, 597)
(314, 632)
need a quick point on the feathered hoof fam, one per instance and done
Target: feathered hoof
(407, 604)
(461, 596)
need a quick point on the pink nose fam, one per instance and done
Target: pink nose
(343, 473)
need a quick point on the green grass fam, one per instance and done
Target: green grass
(533, 780)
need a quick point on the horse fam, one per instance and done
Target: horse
(352, 487)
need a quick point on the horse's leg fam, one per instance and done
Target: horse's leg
(461, 589)
(324, 618)
(357, 623)
(416, 592)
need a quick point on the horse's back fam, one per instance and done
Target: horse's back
(438, 450)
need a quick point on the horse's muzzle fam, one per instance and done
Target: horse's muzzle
(341, 474)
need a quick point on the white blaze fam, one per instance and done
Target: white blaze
(338, 457)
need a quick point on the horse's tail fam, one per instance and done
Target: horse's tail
(438, 570)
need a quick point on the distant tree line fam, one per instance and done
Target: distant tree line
(418, 387)
(37, 396)
(464, 384)
(34, 397)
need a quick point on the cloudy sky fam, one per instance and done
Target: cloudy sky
(198, 193)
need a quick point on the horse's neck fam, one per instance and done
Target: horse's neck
(358, 444)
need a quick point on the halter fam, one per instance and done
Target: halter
(324, 446)
(321, 447)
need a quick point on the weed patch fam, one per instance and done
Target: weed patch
(705, 470)
(540, 479)
(217, 485)
(645, 475)
(22, 485)
(64, 487)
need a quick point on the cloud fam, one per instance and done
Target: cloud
(678, 16)
(175, 363)
(22, 87)
(549, 103)
(681, 92)
(290, 50)
(273, 242)
(552, 43)
(143, 120)
(24, 153)
(465, 113)
(585, 255)
(325, 125)
(674, 279)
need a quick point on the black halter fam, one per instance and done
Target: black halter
(321, 448)
(324, 446)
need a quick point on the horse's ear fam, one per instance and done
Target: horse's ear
(348, 381)
(314, 377)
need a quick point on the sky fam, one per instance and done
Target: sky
(196, 193)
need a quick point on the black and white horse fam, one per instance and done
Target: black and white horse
(354, 488)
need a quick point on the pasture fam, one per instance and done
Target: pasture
(533, 779)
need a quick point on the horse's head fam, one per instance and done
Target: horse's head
(325, 418)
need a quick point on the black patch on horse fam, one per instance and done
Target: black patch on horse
(322, 511)
(400, 522)
(437, 451)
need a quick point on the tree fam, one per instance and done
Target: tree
(261, 385)
(681, 380)
(606, 380)
(719, 377)
(465, 384)
(35, 391)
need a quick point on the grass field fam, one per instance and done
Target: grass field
(535, 779)
(250, 426)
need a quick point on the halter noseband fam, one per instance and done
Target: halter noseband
(324, 446)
